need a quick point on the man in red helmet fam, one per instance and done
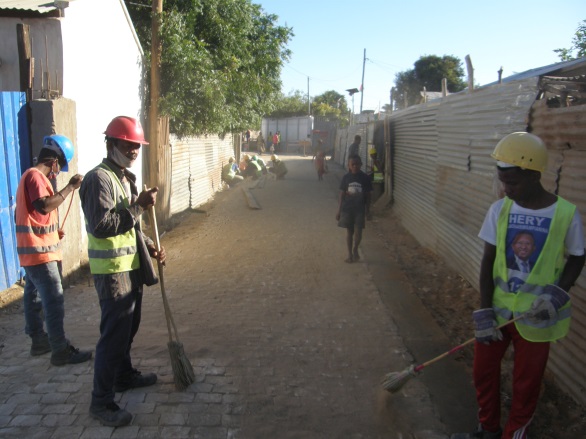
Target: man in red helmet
(120, 264)
(39, 251)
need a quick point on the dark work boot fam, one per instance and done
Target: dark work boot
(70, 355)
(134, 380)
(111, 415)
(40, 344)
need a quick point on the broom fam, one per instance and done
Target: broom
(183, 374)
(395, 380)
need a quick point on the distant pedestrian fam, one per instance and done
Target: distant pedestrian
(38, 240)
(320, 165)
(278, 168)
(354, 148)
(275, 142)
(354, 205)
(260, 144)
(229, 174)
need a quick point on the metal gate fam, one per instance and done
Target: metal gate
(12, 116)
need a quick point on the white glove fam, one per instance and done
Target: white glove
(546, 306)
(485, 326)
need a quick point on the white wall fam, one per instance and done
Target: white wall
(102, 72)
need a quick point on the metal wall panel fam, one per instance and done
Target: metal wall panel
(564, 132)
(180, 194)
(10, 172)
(197, 169)
(414, 151)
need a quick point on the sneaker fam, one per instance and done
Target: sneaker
(111, 415)
(40, 345)
(478, 434)
(134, 380)
(70, 355)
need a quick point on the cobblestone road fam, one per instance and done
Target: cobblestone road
(286, 339)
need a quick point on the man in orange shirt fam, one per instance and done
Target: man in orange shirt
(39, 251)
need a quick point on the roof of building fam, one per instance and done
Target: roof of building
(575, 67)
(34, 5)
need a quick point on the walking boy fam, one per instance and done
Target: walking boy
(354, 205)
(508, 291)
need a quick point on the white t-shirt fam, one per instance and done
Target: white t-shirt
(526, 234)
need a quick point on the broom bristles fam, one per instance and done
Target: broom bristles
(395, 380)
(183, 374)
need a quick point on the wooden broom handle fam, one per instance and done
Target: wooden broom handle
(461, 346)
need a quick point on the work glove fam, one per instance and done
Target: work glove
(485, 325)
(546, 306)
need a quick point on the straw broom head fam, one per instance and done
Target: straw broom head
(183, 374)
(395, 380)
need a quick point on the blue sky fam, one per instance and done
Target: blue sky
(331, 35)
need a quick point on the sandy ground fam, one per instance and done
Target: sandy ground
(287, 339)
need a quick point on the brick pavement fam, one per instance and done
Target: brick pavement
(286, 340)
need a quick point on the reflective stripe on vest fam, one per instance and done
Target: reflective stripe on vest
(547, 270)
(36, 243)
(118, 253)
(377, 175)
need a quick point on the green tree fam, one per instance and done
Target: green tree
(221, 63)
(428, 71)
(578, 45)
(330, 104)
(292, 105)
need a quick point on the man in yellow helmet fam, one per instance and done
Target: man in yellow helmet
(538, 290)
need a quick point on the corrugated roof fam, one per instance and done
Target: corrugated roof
(567, 68)
(33, 5)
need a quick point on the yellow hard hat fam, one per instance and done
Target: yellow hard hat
(274, 157)
(246, 157)
(372, 151)
(521, 149)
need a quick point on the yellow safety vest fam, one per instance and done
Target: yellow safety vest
(547, 270)
(378, 176)
(118, 253)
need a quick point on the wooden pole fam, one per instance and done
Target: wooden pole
(154, 143)
(25, 59)
(27, 63)
(362, 83)
(470, 73)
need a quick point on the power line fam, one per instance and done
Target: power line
(313, 78)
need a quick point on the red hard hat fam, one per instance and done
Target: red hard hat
(126, 128)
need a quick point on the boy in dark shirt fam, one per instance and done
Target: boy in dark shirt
(354, 205)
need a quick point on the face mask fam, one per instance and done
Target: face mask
(120, 159)
(52, 174)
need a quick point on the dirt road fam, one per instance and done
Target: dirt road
(287, 340)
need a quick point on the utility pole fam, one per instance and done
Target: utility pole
(308, 100)
(362, 83)
(154, 135)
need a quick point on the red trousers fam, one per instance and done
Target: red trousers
(530, 360)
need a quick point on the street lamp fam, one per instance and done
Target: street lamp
(351, 92)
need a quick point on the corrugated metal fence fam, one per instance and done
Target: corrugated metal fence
(196, 169)
(444, 180)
